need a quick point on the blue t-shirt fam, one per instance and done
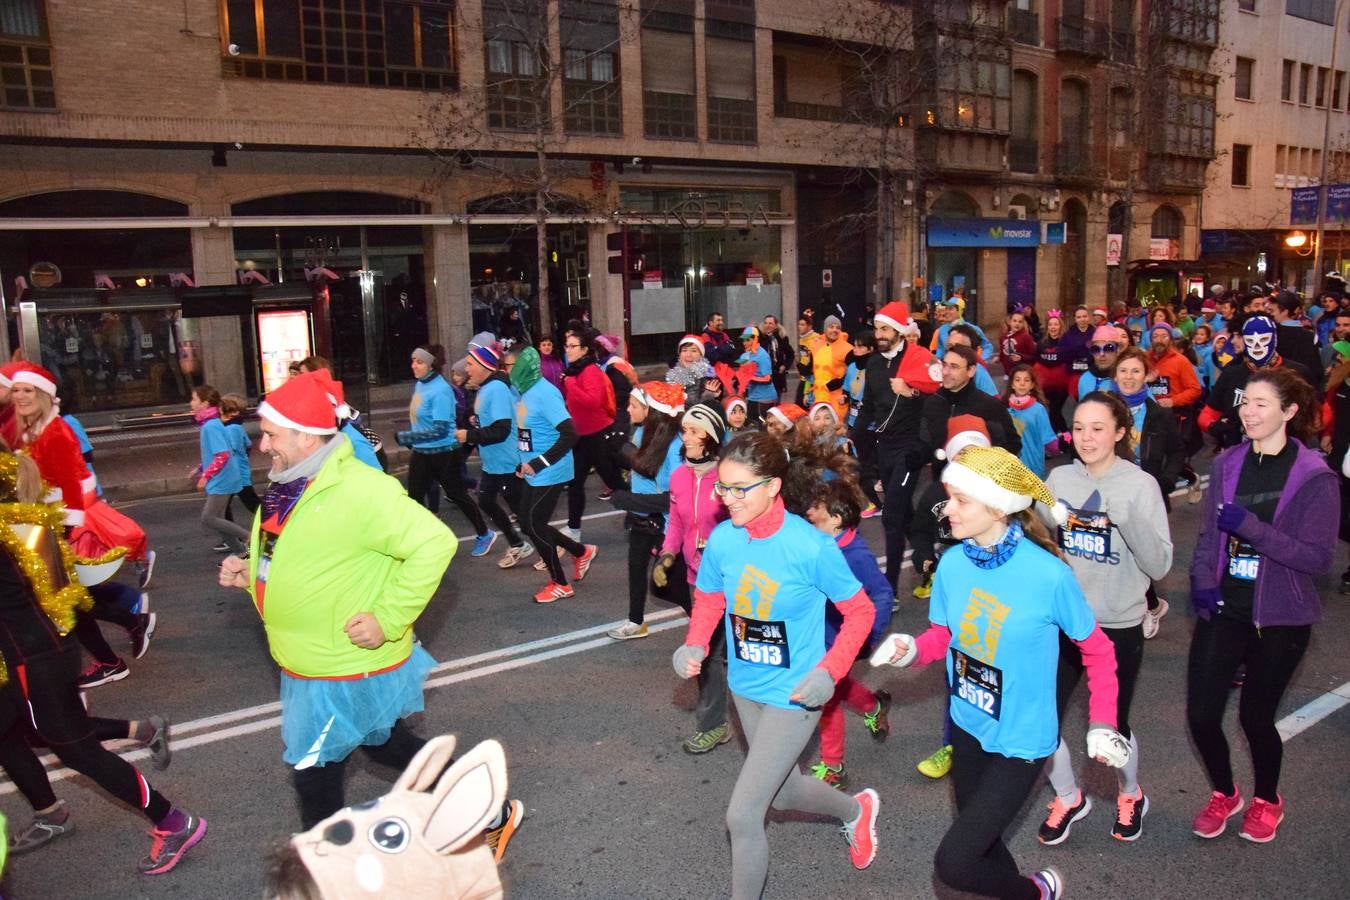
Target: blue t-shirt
(1033, 426)
(539, 412)
(496, 401)
(239, 447)
(761, 392)
(433, 401)
(1003, 659)
(985, 347)
(86, 447)
(984, 381)
(776, 588)
(214, 440)
(855, 380)
(640, 483)
(1090, 381)
(361, 447)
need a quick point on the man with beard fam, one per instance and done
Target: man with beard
(1260, 345)
(898, 375)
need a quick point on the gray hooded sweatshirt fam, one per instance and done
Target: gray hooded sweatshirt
(1117, 538)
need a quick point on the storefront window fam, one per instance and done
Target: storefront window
(115, 359)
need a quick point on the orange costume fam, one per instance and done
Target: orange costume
(829, 363)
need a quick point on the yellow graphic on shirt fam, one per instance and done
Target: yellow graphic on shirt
(981, 625)
(755, 594)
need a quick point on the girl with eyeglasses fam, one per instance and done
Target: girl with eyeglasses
(778, 572)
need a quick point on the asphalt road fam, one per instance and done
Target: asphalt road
(592, 731)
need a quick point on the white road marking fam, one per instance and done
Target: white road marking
(1309, 714)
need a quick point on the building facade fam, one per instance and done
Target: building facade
(1280, 99)
(207, 189)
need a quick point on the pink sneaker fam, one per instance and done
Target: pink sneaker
(1213, 819)
(1261, 820)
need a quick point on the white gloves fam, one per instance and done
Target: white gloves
(893, 646)
(1108, 746)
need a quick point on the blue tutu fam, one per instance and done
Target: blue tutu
(323, 721)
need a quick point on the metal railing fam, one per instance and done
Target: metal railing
(1024, 155)
(1024, 26)
(1079, 35)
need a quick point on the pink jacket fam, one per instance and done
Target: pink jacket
(694, 512)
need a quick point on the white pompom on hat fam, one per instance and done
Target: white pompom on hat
(1000, 481)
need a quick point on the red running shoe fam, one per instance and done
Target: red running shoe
(1261, 820)
(1213, 819)
(582, 564)
(553, 591)
(862, 834)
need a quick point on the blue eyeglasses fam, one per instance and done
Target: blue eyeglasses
(737, 491)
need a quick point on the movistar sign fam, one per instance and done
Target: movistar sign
(983, 233)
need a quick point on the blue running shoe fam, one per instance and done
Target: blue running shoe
(483, 543)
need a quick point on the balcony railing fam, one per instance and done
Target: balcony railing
(1075, 159)
(1024, 155)
(1122, 47)
(1078, 35)
(1024, 26)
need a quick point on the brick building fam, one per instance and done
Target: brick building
(194, 189)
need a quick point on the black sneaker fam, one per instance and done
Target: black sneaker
(102, 673)
(1130, 812)
(141, 632)
(1056, 826)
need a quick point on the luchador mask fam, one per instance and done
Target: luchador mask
(1258, 338)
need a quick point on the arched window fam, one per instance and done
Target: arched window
(954, 204)
(1167, 223)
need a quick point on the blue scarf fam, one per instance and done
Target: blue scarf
(996, 555)
(1135, 399)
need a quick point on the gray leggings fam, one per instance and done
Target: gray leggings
(770, 777)
(213, 517)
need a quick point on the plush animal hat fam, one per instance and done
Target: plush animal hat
(422, 839)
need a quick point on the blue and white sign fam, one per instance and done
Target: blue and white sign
(983, 233)
(1303, 203)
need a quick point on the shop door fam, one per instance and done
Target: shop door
(1021, 277)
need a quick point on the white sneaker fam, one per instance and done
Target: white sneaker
(1153, 619)
(515, 555)
(1195, 493)
(573, 533)
(628, 631)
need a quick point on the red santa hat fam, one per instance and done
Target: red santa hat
(305, 403)
(829, 407)
(336, 394)
(787, 413)
(964, 431)
(894, 314)
(731, 402)
(661, 396)
(693, 339)
(37, 376)
(7, 372)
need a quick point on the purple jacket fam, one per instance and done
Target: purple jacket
(1073, 347)
(1296, 547)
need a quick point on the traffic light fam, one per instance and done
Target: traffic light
(628, 244)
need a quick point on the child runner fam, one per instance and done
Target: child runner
(737, 415)
(1030, 417)
(218, 473)
(836, 509)
(232, 408)
(999, 606)
(1267, 532)
(694, 513)
(780, 419)
(654, 409)
(780, 572)
(1117, 541)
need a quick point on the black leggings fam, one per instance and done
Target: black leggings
(508, 486)
(897, 481)
(866, 448)
(55, 717)
(1219, 646)
(320, 788)
(1054, 402)
(536, 508)
(990, 790)
(444, 468)
(590, 451)
(111, 599)
(1129, 644)
(643, 538)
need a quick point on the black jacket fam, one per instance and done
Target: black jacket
(1161, 451)
(1296, 343)
(780, 351)
(894, 419)
(970, 400)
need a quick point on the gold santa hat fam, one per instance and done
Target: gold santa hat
(1000, 481)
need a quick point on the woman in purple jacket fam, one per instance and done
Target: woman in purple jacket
(1268, 530)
